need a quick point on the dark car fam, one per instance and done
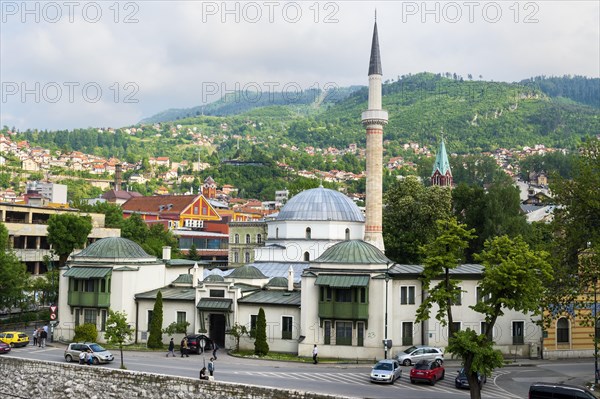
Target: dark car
(461, 379)
(427, 370)
(4, 348)
(542, 390)
(194, 343)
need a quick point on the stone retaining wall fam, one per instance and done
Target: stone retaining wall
(25, 378)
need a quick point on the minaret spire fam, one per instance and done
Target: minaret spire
(373, 119)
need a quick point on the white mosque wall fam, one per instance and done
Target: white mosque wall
(274, 317)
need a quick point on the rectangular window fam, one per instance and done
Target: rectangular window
(103, 285)
(181, 317)
(89, 285)
(253, 319)
(195, 210)
(518, 332)
(482, 327)
(481, 297)
(455, 327)
(103, 320)
(407, 295)
(90, 316)
(325, 294)
(286, 327)
(150, 313)
(343, 333)
(363, 294)
(457, 301)
(360, 333)
(77, 313)
(217, 293)
(327, 332)
(407, 333)
(343, 295)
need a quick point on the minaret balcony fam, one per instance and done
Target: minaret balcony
(374, 117)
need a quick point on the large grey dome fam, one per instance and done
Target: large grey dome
(321, 204)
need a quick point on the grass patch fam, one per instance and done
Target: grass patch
(292, 357)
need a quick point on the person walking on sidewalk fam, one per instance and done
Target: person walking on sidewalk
(171, 348)
(211, 367)
(215, 348)
(184, 347)
(315, 353)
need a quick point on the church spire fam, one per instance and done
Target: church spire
(441, 175)
(375, 61)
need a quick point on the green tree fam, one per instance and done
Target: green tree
(515, 278)
(155, 338)
(193, 253)
(443, 254)
(14, 278)
(237, 331)
(177, 328)
(409, 218)
(66, 232)
(45, 287)
(86, 332)
(158, 237)
(261, 347)
(118, 331)
(134, 228)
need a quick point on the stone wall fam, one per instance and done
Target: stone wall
(50, 380)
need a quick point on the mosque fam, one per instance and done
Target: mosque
(322, 278)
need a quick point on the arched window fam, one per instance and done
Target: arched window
(562, 331)
(277, 232)
(247, 257)
(308, 233)
(236, 239)
(259, 238)
(247, 238)
(347, 234)
(306, 256)
(236, 257)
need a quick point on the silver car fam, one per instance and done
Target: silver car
(415, 353)
(387, 370)
(99, 354)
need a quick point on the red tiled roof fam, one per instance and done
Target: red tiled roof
(152, 204)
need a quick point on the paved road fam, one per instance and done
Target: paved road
(338, 379)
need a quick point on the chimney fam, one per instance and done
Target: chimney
(195, 276)
(118, 170)
(290, 279)
(166, 254)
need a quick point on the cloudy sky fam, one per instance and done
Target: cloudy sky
(65, 65)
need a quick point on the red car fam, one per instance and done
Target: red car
(4, 348)
(428, 371)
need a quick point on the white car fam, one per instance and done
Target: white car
(415, 353)
(387, 370)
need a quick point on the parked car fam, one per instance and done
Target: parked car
(429, 371)
(194, 343)
(542, 390)
(461, 379)
(4, 348)
(14, 338)
(100, 355)
(387, 370)
(415, 353)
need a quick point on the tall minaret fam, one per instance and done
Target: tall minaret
(373, 120)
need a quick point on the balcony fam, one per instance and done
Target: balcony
(344, 310)
(89, 299)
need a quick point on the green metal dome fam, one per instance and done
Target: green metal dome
(113, 247)
(278, 282)
(214, 278)
(353, 252)
(246, 271)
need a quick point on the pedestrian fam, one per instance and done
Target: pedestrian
(215, 348)
(90, 357)
(171, 348)
(43, 336)
(39, 334)
(203, 375)
(315, 353)
(35, 336)
(211, 367)
(82, 357)
(184, 347)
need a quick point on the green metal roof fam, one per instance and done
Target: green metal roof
(214, 278)
(342, 280)
(278, 282)
(246, 271)
(170, 294)
(215, 304)
(184, 279)
(275, 297)
(113, 247)
(353, 252)
(88, 272)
